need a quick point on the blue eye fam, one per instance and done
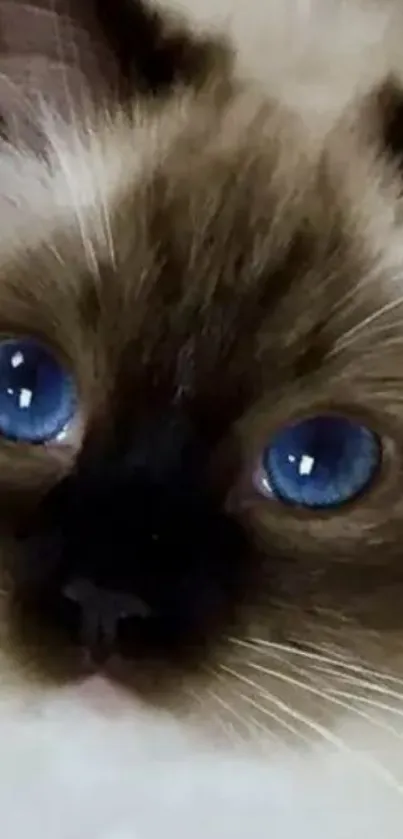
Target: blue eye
(321, 462)
(37, 396)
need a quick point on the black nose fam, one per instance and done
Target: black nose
(133, 549)
(101, 612)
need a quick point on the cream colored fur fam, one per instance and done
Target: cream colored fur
(315, 54)
(68, 771)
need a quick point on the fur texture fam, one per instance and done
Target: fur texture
(216, 254)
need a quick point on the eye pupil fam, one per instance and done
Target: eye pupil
(37, 397)
(322, 461)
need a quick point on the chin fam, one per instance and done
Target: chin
(88, 762)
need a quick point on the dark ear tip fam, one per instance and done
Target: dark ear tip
(156, 50)
(388, 101)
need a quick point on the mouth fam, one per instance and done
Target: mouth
(97, 692)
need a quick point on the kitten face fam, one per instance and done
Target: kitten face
(208, 271)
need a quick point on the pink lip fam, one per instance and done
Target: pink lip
(100, 694)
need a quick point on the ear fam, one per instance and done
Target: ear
(157, 50)
(389, 115)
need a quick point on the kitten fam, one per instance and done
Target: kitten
(201, 456)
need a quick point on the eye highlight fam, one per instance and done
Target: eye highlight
(37, 396)
(321, 462)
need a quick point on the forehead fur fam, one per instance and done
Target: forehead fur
(219, 249)
(229, 230)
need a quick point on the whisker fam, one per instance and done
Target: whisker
(342, 303)
(252, 724)
(340, 659)
(320, 731)
(366, 685)
(275, 717)
(267, 712)
(258, 645)
(372, 703)
(228, 730)
(323, 695)
(352, 334)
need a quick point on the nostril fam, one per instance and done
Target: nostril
(101, 611)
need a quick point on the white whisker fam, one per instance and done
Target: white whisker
(320, 731)
(354, 681)
(266, 712)
(317, 728)
(228, 730)
(365, 700)
(351, 335)
(324, 695)
(251, 724)
(266, 647)
(275, 717)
